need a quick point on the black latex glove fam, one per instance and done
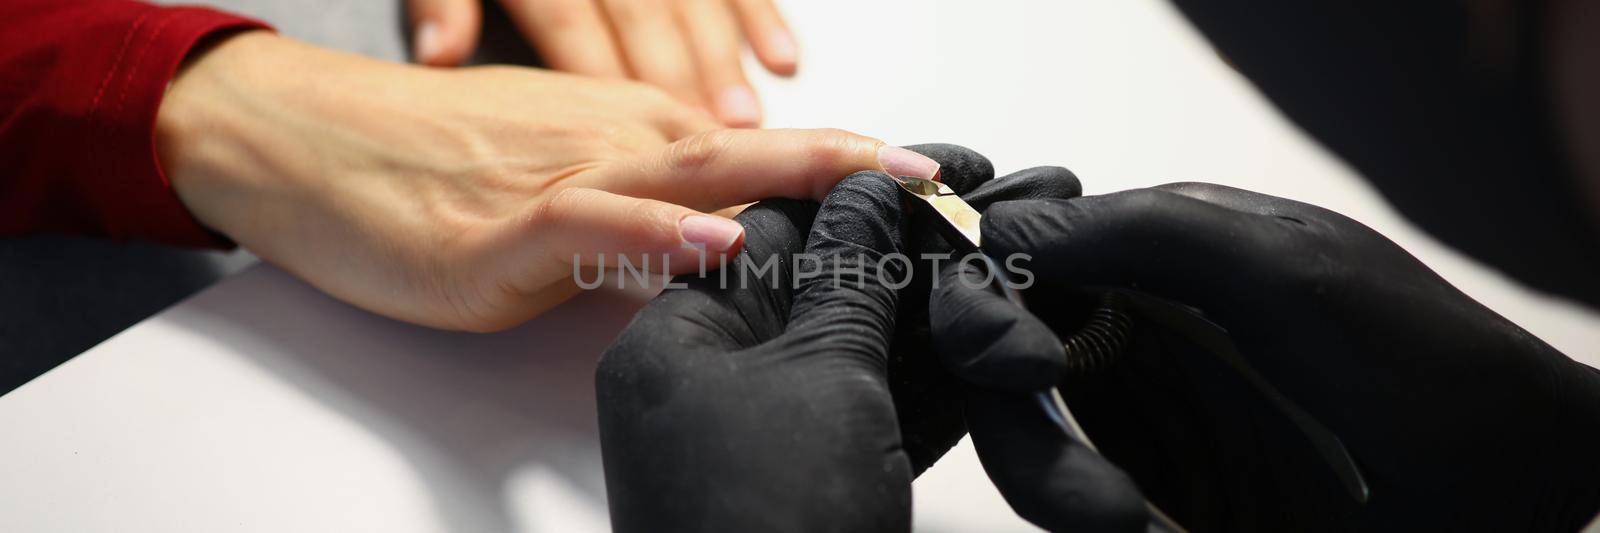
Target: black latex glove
(1458, 419)
(771, 408)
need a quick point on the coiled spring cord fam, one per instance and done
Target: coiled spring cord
(1101, 339)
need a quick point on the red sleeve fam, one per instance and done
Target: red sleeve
(80, 83)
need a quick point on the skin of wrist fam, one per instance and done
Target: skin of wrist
(202, 127)
(232, 131)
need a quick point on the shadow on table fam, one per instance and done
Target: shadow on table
(468, 411)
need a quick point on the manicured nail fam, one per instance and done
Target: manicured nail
(427, 42)
(737, 107)
(899, 161)
(715, 233)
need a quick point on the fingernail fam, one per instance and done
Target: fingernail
(737, 107)
(899, 161)
(783, 48)
(427, 42)
(715, 233)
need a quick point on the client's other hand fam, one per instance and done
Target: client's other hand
(693, 49)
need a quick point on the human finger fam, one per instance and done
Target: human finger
(654, 47)
(570, 35)
(714, 40)
(769, 35)
(444, 31)
(721, 168)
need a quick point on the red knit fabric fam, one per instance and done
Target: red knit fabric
(80, 84)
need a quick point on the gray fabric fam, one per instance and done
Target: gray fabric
(60, 296)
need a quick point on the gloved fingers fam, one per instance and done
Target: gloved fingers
(1153, 241)
(853, 266)
(1048, 477)
(1037, 183)
(776, 227)
(714, 313)
(959, 167)
(1244, 201)
(973, 180)
(986, 340)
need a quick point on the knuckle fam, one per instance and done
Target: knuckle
(832, 144)
(555, 211)
(627, 12)
(659, 99)
(624, 11)
(1144, 205)
(698, 151)
(562, 14)
(1194, 188)
(649, 97)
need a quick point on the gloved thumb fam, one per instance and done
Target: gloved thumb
(853, 265)
(444, 32)
(987, 340)
(1048, 477)
(1007, 355)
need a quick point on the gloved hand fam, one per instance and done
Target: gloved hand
(1458, 419)
(805, 399)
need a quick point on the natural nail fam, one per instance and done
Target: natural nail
(737, 106)
(899, 161)
(783, 49)
(427, 41)
(715, 233)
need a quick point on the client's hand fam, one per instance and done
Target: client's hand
(461, 198)
(690, 48)
(795, 390)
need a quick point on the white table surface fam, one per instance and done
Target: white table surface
(262, 405)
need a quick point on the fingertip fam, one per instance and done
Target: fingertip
(1038, 183)
(1002, 219)
(1047, 477)
(779, 53)
(987, 340)
(737, 107)
(899, 161)
(768, 35)
(711, 233)
(444, 31)
(959, 167)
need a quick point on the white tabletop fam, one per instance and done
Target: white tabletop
(262, 405)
